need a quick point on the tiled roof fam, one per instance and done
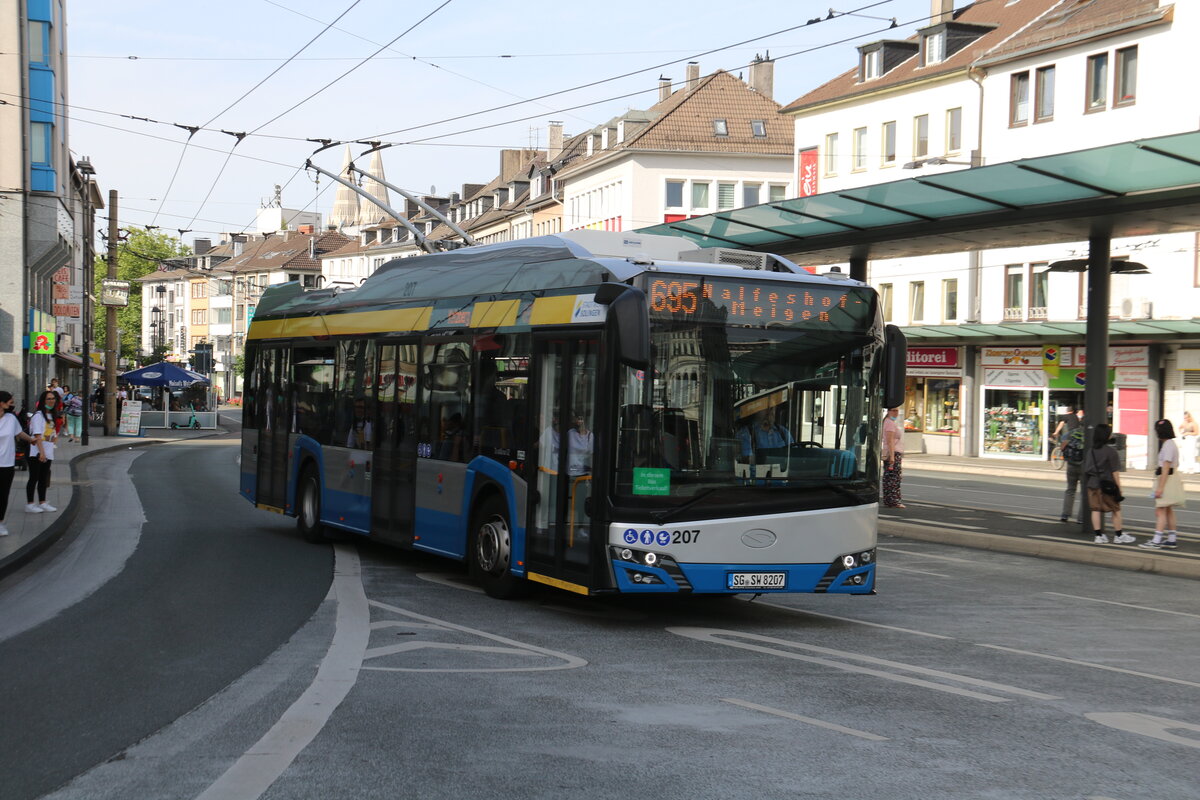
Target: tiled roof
(1010, 20)
(165, 275)
(684, 122)
(1079, 19)
(277, 252)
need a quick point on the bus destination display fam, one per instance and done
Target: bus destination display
(758, 303)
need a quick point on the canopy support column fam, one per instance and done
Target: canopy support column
(1095, 392)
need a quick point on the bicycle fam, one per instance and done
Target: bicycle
(1056, 455)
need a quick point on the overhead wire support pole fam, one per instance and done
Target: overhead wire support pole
(421, 238)
(467, 238)
(112, 347)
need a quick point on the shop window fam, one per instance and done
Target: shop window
(941, 406)
(1012, 421)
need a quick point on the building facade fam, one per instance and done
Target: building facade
(993, 83)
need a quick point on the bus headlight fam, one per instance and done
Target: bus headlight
(650, 559)
(849, 562)
(626, 554)
(867, 556)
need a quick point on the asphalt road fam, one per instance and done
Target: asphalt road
(971, 675)
(207, 592)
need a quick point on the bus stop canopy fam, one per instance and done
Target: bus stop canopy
(1142, 187)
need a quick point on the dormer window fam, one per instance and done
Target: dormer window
(933, 50)
(872, 64)
(720, 127)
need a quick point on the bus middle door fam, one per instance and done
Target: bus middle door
(393, 490)
(560, 532)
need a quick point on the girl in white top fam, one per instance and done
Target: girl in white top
(41, 454)
(1168, 489)
(10, 432)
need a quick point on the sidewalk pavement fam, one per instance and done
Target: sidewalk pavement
(1018, 533)
(1029, 470)
(30, 534)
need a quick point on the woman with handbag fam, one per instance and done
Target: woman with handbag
(1168, 489)
(1101, 466)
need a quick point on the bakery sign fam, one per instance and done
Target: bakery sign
(934, 362)
(1012, 357)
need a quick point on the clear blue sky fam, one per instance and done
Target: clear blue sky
(195, 59)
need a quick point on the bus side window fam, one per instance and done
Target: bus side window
(500, 394)
(446, 400)
(354, 396)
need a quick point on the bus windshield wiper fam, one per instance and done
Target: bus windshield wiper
(662, 516)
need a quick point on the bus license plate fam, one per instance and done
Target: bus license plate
(757, 580)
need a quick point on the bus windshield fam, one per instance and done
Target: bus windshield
(744, 396)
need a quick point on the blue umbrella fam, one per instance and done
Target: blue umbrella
(163, 373)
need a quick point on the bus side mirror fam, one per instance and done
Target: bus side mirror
(628, 322)
(895, 363)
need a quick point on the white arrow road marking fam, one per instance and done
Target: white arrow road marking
(890, 567)
(260, 766)
(512, 647)
(1147, 725)
(807, 720)
(745, 641)
(1126, 605)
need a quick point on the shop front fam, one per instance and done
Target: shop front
(1024, 394)
(931, 412)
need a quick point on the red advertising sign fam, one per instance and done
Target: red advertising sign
(807, 177)
(933, 356)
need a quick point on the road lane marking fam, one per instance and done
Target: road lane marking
(749, 641)
(891, 567)
(845, 619)
(1091, 664)
(261, 765)
(1126, 605)
(1147, 725)
(936, 523)
(931, 555)
(511, 647)
(832, 726)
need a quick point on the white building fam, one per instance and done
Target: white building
(992, 83)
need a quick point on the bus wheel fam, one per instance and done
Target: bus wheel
(308, 507)
(490, 553)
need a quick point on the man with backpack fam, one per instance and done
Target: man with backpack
(1070, 436)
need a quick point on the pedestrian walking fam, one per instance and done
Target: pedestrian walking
(1168, 489)
(10, 432)
(1101, 466)
(1068, 437)
(1189, 437)
(41, 452)
(73, 413)
(893, 456)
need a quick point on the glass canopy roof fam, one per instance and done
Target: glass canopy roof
(950, 200)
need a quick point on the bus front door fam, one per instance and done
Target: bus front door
(274, 424)
(393, 486)
(560, 545)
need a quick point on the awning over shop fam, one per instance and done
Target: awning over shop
(1050, 332)
(1142, 187)
(76, 361)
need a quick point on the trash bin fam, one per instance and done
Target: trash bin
(1118, 443)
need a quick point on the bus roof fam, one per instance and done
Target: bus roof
(559, 261)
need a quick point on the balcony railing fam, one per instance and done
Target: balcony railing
(1014, 314)
(1037, 312)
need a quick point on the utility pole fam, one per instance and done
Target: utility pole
(111, 346)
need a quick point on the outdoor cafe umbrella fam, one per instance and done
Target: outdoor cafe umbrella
(165, 374)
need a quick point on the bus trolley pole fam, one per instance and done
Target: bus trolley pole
(420, 237)
(1095, 391)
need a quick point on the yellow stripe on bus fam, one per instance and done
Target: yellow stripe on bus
(497, 314)
(400, 319)
(552, 310)
(556, 583)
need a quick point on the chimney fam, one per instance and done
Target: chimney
(693, 74)
(941, 11)
(305, 229)
(555, 141)
(201, 246)
(762, 76)
(664, 88)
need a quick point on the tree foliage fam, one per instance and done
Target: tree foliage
(139, 254)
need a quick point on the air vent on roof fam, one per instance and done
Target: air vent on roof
(745, 259)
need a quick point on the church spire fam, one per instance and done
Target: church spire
(345, 203)
(369, 213)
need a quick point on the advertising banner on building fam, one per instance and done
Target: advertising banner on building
(934, 362)
(1011, 357)
(807, 178)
